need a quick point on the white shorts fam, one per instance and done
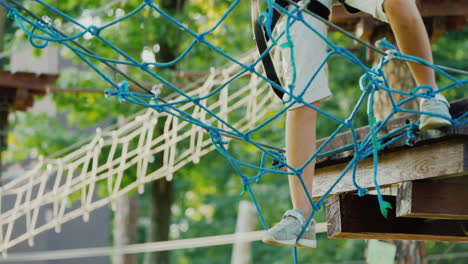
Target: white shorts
(371, 7)
(310, 51)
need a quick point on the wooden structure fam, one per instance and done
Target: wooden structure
(439, 16)
(425, 183)
(17, 92)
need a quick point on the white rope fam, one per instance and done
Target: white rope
(142, 248)
(78, 172)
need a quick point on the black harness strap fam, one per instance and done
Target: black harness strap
(349, 8)
(261, 37)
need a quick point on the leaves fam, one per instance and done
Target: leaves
(207, 194)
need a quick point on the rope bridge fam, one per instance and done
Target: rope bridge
(218, 119)
(111, 153)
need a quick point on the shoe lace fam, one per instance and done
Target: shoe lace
(288, 220)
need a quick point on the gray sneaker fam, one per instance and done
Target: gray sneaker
(285, 233)
(434, 106)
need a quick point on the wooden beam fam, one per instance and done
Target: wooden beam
(37, 84)
(442, 199)
(441, 159)
(454, 12)
(428, 8)
(352, 217)
(20, 88)
(457, 108)
(434, 8)
(397, 161)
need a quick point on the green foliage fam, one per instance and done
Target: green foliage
(207, 194)
(450, 50)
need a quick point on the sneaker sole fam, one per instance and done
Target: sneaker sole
(306, 243)
(303, 243)
(434, 122)
(275, 242)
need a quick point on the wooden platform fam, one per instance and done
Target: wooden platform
(439, 16)
(428, 183)
(352, 217)
(398, 162)
(433, 199)
(17, 92)
(21, 88)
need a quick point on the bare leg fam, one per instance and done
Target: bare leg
(300, 145)
(411, 37)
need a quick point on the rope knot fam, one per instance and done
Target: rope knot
(245, 180)
(362, 192)
(45, 22)
(123, 91)
(196, 100)
(159, 108)
(108, 93)
(216, 137)
(251, 68)
(316, 207)
(93, 30)
(12, 13)
(391, 54)
(384, 44)
(411, 134)
(144, 65)
(360, 156)
(156, 90)
(263, 19)
(201, 38)
(300, 16)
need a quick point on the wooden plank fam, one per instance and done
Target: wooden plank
(353, 217)
(457, 108)
(428, 8)
(35, 84)
(440, 159)
(441, 199)
(422, 138)
(434, 8)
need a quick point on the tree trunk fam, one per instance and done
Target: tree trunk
(400, 78)
(125, 230)
(410, 252)
(125, 223)
(162, 194)
(162, 191)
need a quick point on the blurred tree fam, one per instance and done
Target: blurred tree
(203, 199)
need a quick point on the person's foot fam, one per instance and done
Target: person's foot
(308, 240)
(285, 233)
(435, 106)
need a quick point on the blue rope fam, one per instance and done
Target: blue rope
(41, 33)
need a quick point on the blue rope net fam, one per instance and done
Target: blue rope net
(41, 32)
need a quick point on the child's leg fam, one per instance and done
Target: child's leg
(309, 53)
(300, 146)
(411, 36)
(412, 39)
